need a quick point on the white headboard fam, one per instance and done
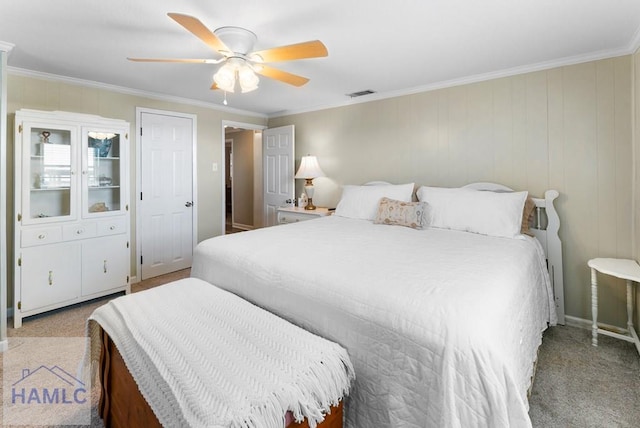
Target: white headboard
(545, 227)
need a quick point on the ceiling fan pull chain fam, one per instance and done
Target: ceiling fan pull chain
(225, 98)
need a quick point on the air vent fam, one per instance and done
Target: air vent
(361, 93)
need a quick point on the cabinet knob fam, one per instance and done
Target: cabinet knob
(79, 231)
(112, 227)
(42, 236)
(104, 266)
(50, 277)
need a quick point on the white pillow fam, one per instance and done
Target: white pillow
(362, 201)
(486, 213)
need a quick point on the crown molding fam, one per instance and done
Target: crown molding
(6, 46)
(128, 91)
(547, 65)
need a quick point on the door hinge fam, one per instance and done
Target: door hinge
(20, 128)
(126, 207)
(141, 131)
(126, 136)
(140, 259)
(127, 279)
(127, 244)
(20, 305)
(140, 195)
(19, 217)
(19, 261)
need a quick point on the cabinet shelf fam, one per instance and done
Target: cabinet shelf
(113, 158)
(50, 189)
(103, 187)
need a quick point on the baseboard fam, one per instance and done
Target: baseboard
(134, 280)
(586, 324)
(241, 226)
(4, 345)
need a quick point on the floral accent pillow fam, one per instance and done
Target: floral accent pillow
(410, 214)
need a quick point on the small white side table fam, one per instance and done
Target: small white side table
(620, 268)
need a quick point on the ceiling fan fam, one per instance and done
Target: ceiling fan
(241, 64)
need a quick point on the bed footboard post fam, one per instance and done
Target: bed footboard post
(554, 253)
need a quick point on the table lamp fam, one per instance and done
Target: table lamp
(309, 169)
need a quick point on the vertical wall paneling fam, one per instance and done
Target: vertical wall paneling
(537, 149)
(502, 130)
(624, 152)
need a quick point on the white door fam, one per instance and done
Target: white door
(277, 162)
(166, 197)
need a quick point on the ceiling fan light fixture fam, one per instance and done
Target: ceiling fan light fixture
(247, 79)
(225, 77)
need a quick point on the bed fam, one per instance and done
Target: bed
(435, 338)
(442, 325)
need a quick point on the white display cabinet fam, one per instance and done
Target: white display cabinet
(72, 210)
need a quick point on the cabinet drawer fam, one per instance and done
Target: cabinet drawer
(41, 236)
(78, 231)
(287, 217)
(112, 226)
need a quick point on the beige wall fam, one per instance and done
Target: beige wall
(567, 128)
(28, 92)
(243, 171)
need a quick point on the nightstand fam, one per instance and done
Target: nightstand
(295, 214)
(620, 268)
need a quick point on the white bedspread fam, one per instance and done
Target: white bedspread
(442, 326)
(203, 357)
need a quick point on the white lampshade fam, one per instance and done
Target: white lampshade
(309, 168)
(225, 78)
(247, 79)
(236, 69)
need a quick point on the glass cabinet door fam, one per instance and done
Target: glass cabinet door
(102, 171)
(48, 173)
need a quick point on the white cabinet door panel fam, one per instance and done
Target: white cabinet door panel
(50, 275)
(105, 264)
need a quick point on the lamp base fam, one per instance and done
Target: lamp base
(310, 205)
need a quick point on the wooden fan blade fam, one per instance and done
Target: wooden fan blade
(280, 75)
(193, 61)
(198, 29)
(313, 49)
(214, 86)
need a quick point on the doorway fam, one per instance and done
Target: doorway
(242, 183)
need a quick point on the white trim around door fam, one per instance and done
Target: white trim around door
(139, 112)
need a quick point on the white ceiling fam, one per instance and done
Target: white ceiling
(391, 47)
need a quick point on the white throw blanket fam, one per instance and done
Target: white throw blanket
(202, 356)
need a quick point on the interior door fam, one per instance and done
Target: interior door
(166, 197)
(278, 146)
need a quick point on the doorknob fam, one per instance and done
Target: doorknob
(188, 204)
